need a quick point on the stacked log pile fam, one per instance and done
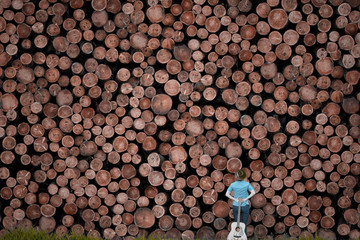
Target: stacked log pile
(128, 118)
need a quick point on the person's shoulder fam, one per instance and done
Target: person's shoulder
(243, 183)
(234, 184)
(249, 185)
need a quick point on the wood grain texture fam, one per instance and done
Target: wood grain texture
(125, 118)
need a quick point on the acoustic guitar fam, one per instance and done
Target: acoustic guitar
(237, 229)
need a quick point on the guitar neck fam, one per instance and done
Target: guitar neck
(238, 218)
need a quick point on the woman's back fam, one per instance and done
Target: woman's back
(240, 189)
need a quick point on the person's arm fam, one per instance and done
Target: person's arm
(252, 193)
(228, 194)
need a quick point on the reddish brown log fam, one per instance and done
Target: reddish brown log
(178, 68)
(144, 218)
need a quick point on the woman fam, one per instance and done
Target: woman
(241, 189)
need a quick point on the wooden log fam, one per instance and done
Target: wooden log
(47, 224)
(166, 223)
(70, 121)
(205, 233)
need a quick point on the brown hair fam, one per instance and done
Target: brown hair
(240, 175)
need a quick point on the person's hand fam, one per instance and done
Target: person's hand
(239, 200)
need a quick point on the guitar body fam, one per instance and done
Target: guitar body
(237, 233)
(237, 228)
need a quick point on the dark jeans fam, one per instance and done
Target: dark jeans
(244, 215)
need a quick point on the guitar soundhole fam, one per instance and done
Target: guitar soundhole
(237, 229)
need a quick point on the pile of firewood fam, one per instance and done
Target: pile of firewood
(124, 118)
